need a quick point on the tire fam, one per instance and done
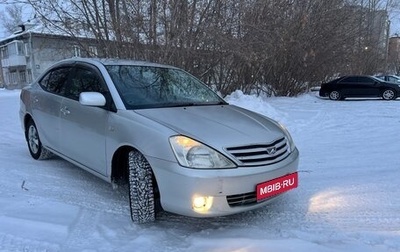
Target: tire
(141, 189)
(335, 95)
(35, 146)
(389, 94)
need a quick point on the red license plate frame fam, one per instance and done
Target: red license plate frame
(277, 186)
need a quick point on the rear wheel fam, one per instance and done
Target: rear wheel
(335, 95)
(34, 144)
(141, 188)
(389, 94)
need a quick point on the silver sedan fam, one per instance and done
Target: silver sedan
(177, 145)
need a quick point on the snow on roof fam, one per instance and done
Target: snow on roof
(38, 27)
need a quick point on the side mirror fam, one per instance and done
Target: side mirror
(92, 99)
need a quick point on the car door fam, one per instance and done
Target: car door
(349, 86)
(368, 86)
(47, 103)
(84, 128)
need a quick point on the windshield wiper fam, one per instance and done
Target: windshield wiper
(188, 104)
(181, 104)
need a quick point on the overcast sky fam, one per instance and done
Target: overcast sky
(395, 22)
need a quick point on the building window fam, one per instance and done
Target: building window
(27, 49)
(22, 77)
(77, 51)
(92, 51)
(13, 78)
(20, 48)
(4, 52)
(29, 76)
(12, 49)
(15, 48)
(7, 78)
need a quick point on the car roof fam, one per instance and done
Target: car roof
(369, 76)
(113, 61)
(359, 75)
(346, 76)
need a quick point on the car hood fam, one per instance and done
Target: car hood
(219, 125)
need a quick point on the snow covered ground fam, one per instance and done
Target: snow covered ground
(348, 198)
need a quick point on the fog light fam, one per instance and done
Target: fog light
(202, 204)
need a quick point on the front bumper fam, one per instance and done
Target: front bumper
(178, 185)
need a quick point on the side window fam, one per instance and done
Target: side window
(85, 80)
(393, 79)
(55, 81)
(352, 79)
(44, 81)
(366, 80)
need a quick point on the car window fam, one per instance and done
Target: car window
(149, 87)
(393, 79)
(55, 81)
(84, 80)
(364, 79)
(352, 79)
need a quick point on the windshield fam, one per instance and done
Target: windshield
(154, 87)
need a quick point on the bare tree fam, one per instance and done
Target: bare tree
(11, 17)
(275, 46)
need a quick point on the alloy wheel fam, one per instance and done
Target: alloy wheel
(334, 95)
(388, 94)
(33, 139)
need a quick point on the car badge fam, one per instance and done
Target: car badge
(271, 150)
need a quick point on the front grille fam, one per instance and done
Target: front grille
(261, 154)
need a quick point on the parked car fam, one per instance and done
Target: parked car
(389, 78)
(177, 145)
(359, 86)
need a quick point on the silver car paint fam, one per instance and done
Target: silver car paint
(86, 128)
(95, 134)
(218, 126)
(46, 108)
(180, 184)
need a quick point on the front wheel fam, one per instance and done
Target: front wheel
(34, 144)
(335, 95)
(388, 94)
(141, 189)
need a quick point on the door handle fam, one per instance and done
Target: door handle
(65, 111)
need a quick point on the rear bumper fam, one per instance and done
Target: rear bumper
(178, 186)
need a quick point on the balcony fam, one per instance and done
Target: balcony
(14, 61)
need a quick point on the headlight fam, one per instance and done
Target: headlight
(292, 146)
(193, 154)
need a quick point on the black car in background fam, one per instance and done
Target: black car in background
(359, 86)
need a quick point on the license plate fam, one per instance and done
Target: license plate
(277, 186)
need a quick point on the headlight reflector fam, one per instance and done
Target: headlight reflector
(193, 154)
